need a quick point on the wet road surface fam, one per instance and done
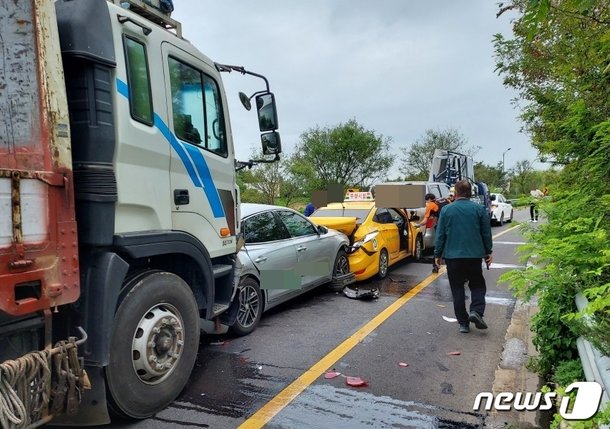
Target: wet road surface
(235, 377)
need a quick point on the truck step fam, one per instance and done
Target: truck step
(219, 309)
(221, 270)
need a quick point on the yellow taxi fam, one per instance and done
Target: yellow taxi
(379, 236)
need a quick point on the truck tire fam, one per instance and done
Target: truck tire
(154, 343)
(250, 307)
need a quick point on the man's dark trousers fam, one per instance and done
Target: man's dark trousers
(459, 272)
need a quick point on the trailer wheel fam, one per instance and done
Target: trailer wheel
(155, 338)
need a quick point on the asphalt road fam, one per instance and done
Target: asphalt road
(235, 378)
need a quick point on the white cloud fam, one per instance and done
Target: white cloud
(398, 67)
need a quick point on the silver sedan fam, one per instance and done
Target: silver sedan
(284, 256)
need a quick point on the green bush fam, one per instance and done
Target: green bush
(567, 372)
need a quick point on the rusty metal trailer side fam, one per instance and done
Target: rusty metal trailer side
(38, 237)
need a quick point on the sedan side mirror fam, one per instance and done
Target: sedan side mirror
(322, 230)
(509, 202)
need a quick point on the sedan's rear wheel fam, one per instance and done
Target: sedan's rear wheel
(383, 264)
(501, 222)
(250, 307)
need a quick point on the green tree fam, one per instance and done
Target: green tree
(346, 153)
(492, 176)
(265, 183)
(522, 178)
(557, 60)
(417, 157)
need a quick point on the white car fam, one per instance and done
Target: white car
(501, 209)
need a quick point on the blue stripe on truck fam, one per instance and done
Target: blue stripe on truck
(193, 160)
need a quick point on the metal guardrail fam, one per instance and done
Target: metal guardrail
(595, 365)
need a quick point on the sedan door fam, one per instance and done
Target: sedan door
(272, 251)
(314, 258)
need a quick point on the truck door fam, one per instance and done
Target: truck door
(202, 170)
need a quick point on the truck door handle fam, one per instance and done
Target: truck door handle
(261, 259)
(181, 197)
(301, 249)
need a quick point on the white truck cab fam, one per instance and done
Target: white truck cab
(127, 133)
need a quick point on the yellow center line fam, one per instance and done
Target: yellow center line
(282, 399)
(500, 234)
(294, 389)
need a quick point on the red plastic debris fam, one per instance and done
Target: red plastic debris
(454, 353)
(403, 364)
(355, 382)
(331, 374)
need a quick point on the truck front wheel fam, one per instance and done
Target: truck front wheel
(155, 338)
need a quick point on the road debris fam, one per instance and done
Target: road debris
(331, 374)
(358, 293)
(449, 319)
(355, 382)
(403, 364)
(454, 353)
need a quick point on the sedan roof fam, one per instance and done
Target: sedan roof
(248, 209)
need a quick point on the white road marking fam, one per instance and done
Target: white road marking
(517, 243)
(497, 265)
(499, 301)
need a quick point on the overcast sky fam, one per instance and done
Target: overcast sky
(398, 67)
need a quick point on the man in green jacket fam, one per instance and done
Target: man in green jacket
(463, 239)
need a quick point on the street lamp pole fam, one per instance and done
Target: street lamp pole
(504, 153)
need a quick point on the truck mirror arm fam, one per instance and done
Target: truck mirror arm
(240, 165)
(240, 69)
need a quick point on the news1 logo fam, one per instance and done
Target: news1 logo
(583, 406)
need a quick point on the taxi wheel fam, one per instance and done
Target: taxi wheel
(418, 252)
(383, 264)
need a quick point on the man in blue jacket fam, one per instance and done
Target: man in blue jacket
(463, 239)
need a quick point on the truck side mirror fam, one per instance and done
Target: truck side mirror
(271, 143)
(267, 113)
